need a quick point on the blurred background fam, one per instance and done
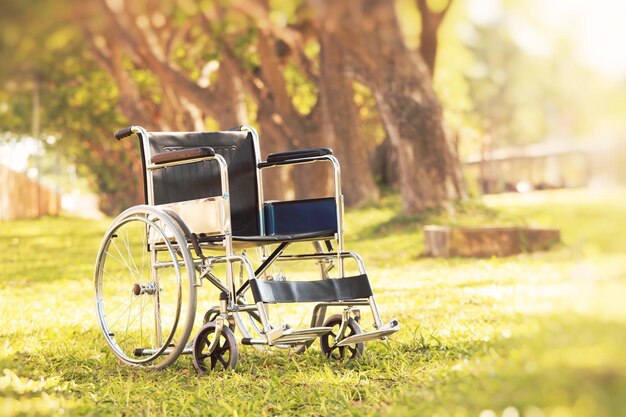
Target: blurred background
(446, 112)
(437, 100)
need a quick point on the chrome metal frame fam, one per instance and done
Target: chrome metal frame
(271, 335)
(259, 178)
(338, 195)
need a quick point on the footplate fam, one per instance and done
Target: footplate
(383, 331)
(284, 336)
(294, 336)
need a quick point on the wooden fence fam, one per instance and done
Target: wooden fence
(23, 198)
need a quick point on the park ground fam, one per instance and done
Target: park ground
(537, 335)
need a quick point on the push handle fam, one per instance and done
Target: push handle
(123, 133)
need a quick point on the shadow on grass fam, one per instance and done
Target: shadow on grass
(467, 213)
(546, 361)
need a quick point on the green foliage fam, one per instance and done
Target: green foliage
(77, 98)
(302, 89)
(534, 335)
(493, 84)
(82, 114)
(509, 88)
(28, 28)
(372, 128)
(488, 83)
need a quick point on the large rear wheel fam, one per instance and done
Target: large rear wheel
(145, 293)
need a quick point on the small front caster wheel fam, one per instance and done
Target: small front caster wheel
(341, 352)
(223, 357)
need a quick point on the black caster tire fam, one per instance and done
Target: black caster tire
(223, 357)
(341, 352)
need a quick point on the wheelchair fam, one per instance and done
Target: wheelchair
(204, 219)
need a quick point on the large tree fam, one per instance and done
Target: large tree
(190, 66)
(49, 87)
(369, 34)
(430, 21)
(152, 39)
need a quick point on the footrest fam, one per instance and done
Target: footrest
(383, 331)
(295, 336)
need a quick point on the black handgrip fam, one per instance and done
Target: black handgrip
(298, 153)
(123, 133)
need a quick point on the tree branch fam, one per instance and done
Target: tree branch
(431, 21)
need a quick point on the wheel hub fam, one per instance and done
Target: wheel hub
(150, 288)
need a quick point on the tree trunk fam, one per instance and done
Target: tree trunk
(341, 127)
(230, 109)
(429, 174)
(277, 181)
(311, 180)
(297, 130)
(369, 33)
(430, 20)
(384, 162)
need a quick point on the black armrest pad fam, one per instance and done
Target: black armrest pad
(297, 154)
(181, 155)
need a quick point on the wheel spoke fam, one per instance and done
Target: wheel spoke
(141, 320)
(144, 248)
(114, 277)
(130, 321)
(222, 361)
(220, 350)
(130, 254)
(116, 258)
(225, 345)
(130, 268)
(126, 302)
(130, 305)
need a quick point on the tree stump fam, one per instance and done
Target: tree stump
(446, 242)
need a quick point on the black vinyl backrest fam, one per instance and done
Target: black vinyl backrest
(202, 179)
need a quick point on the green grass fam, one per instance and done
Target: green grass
(533, 335)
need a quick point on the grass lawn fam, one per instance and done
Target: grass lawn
(538, 335)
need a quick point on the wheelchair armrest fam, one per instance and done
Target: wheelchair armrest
(282, 157)
(298, 153)
(182, 155)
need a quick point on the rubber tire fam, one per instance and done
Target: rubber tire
(227, 344)
(179, 329)
(340, 352)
